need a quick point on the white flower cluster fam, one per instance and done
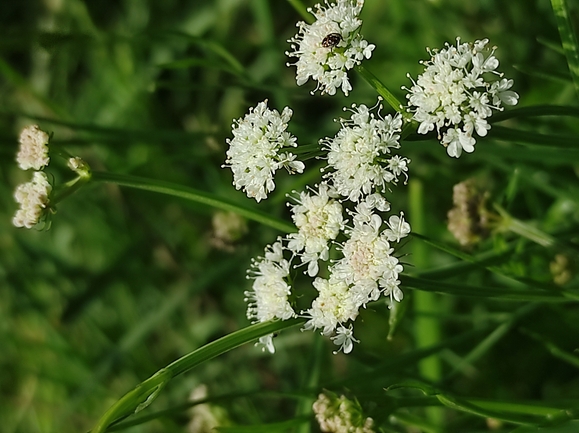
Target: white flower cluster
(330, 46)
(33, 199)
(268, 298)
(345, 240)
(360, 153)
(363, 265)
(33, 150)
(259, 148)
(319, 220)
(366, 270)
(341, 415)
(453, 95)
(32, 196)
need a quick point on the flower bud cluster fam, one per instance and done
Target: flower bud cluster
(33, 196)
(341, 415)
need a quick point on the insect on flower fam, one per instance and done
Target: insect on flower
(332, 40)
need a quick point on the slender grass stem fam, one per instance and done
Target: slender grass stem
(194, 195)
(144, 393)
(382, 90)
(426, 328)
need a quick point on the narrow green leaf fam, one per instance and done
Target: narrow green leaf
(568, 427)
(467, 405)
(568, 38)
(12, 76)
(463, 405)
(120, 135)
(382, 90)
(219, 50)
(146, 391)
(175, 410)
(489, 341)
(535, 111)
(197, 62)
(544, 73)
(194, 195)
(281, 426)
(552, 348)
(533, 177)
(229, 342)
(416, 423)
(505, 293)
(516, 227)
(528, 137)
(302, 10)
(402, 361)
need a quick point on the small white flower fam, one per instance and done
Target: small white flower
(330, 46)
(319, 220)
(266, 343)
(33, 199)
(501, 93)
(456, 140)
(255, 152)
(33, 151)
(454, 95)
(345, 339)
(397, 228)
(359, 155)
(268, 298)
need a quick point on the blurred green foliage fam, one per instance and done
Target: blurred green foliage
(126, 281)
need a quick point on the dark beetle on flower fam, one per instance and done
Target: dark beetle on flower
(332, 40)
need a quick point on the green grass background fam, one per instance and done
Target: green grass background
(126, 281)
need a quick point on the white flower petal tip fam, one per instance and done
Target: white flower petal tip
(345, 339)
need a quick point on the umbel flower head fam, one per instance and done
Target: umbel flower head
(329, 47)
(268, 298)
(366, 270)
(469, 219)
(33, 150)
(319, 220)
(341, 415)
(359, 156)
(457, 93)
(259, 148)
(33, 199)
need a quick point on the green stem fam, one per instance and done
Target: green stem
(302, 10)
(70, 187)
(382, 90)
(568, 39)
(426, 327)
(194, 195)
(523, 229)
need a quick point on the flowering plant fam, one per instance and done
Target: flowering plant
(397, 325)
